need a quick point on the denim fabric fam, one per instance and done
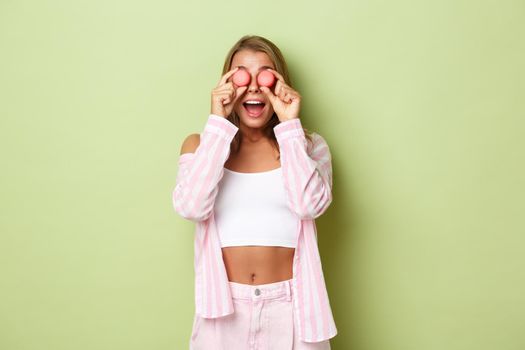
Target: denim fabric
(263, 320)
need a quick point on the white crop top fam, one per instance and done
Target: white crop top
(251, 209)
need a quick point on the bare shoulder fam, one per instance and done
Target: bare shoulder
(190, 143)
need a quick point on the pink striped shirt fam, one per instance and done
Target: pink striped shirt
(307, 176)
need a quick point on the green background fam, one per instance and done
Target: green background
(421, 102)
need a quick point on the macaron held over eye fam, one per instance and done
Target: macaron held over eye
(264, 78)
(241, 78)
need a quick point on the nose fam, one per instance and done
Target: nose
(253, 87)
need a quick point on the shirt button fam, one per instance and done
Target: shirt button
(257, 291)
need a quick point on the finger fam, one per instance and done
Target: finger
(282, 93)
(223, 100)
(281, 88)
(288, 90)
(268, 92)
(294, 97)
(226, 86)
(225, 94)
(223, 91)
(278, 88)
(227, 99)
(291, 93)
(276, 73)
(227, 75)
(229, 95)
(240, 91)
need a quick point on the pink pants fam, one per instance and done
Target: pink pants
(263, 320)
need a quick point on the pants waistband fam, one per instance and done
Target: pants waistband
(262, 291)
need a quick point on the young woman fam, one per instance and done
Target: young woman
(253, 182)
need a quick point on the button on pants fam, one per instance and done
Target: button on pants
(263, 320)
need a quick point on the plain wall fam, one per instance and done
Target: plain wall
(421, 102)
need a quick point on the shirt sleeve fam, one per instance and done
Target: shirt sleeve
(199, 173)
(306, 168)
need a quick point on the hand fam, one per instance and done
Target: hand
(286, 101)
(224, 95)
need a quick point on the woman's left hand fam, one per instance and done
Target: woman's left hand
(286, 101)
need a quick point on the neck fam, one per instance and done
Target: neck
(252, 136)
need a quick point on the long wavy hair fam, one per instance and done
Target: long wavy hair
(261, 44)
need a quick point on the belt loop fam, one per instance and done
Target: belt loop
(288, 292)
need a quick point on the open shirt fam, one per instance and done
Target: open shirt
(307, 177)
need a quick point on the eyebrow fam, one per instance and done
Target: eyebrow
(260, 68)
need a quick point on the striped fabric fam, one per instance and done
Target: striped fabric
(307, 176)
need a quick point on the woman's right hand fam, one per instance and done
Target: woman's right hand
(225, 95)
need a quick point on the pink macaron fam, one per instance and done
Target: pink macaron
(241, 78)
(265, 78)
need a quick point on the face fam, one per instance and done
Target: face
(253, 62)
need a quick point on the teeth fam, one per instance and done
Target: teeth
(254, 102)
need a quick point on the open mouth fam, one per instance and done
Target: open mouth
(254, 108)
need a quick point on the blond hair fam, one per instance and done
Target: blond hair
(259, 44)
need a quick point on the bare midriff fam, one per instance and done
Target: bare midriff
(258, 264)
